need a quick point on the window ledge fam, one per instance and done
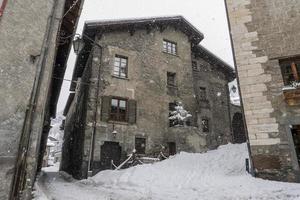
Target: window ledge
(120, 77)
(118, 122)
(172, 86)
(176, 55)
(289, 87)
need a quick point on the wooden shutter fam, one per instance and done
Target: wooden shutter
(105, 108)
(131, 111)
(2, 6)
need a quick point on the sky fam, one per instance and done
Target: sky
(208, 16)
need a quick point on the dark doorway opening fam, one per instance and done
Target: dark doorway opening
(110, 151)
(238, 128)
(295, 130)
(140, 145)
(172, 148)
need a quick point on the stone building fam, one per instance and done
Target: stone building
(32, 66)
(266, 41)
(125, 82)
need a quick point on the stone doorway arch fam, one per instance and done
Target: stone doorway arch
(238, 129)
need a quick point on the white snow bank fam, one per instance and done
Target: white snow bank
(216, 175)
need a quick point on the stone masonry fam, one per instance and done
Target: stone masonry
(146, 85)
(28, 45)
(263, 32)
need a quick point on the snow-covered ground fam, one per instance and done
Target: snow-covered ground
(216, 175)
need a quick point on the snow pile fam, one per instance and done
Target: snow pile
(216, 175)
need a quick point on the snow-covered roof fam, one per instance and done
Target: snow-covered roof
(179, 21)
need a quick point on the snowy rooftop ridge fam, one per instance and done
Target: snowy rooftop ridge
(197, 35)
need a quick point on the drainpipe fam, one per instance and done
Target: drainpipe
(92, 144)
(252, 172)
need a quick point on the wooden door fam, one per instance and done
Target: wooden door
(110, 151)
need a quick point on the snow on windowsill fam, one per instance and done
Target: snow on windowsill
(289, 87)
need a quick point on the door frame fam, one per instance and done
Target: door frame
(290, 138)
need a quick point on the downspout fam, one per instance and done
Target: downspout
(91, 155)
(252, 172)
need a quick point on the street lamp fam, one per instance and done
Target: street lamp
(233, 88)
(114, 134)
(78, 44)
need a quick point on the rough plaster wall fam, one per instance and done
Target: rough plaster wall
(17, 74)
(262, 32)
(146, 83)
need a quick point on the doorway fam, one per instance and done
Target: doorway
(110, 151)
(172, 148)
(295, 130)
(238, 129)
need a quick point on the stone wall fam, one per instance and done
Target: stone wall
(28, 38)
(262, 32)
(216, 106)
(147, 84)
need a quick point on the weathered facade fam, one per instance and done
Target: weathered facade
(31, 56)
(126, 84)
(266, 43)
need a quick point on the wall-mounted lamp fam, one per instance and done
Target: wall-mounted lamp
(233, 88)
(78, 44)
(114, 133)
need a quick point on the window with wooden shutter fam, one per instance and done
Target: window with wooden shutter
(118, 110)
(131, 111)
(2, 6)
(105, 108)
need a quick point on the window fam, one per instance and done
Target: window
(118, 109)
(202, 93)
(171, 79)
(170, 47)
(121, 66)
(140, 145)
(194, 66)
(290, 70)
(205, 125)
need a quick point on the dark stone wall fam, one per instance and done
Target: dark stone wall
(74, 129)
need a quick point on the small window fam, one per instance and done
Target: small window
(202, 93)
(140, 145)
(290, 70)
(194, 66)
(171, 79)
(121, 66)
(118, 109)
(170, 47)
(172, 148)
(205, 125)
